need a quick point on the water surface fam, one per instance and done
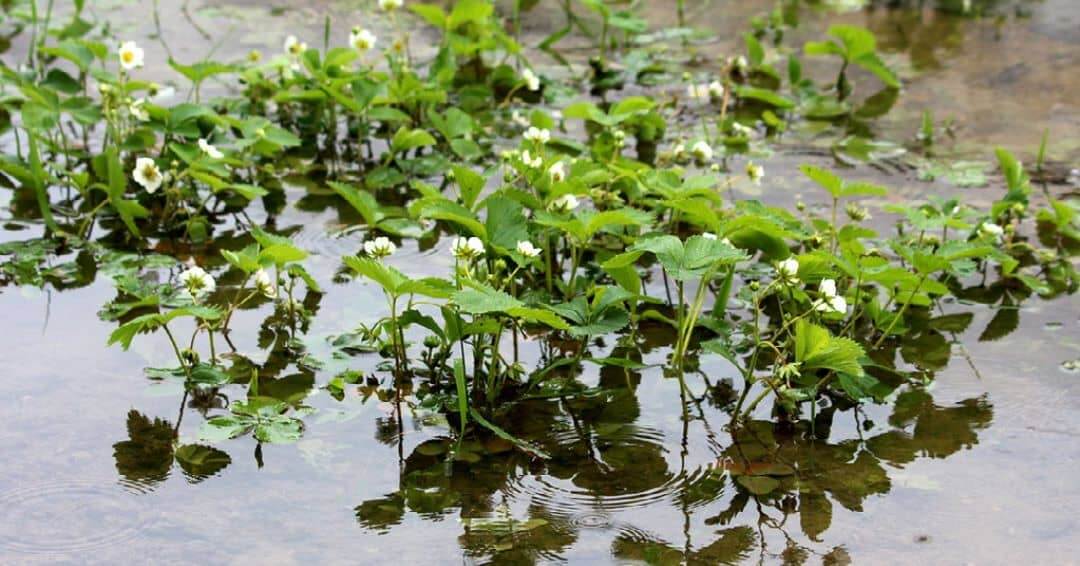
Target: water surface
(977, 467)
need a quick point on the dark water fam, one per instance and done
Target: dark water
(978, 466)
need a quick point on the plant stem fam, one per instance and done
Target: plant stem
(900, 313)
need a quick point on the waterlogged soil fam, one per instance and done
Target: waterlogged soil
(979, 466)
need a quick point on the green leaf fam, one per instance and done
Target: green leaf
(202, 70)
(364, 202)
(462, 393)
(762, 95)
(37, 179)
(387, 277)
(816, 348)
(282, 430)
(505, 223)
(280, 254)
(224, 427)
(482, 299)
(824, 178)
(438, 208)
(406, 139)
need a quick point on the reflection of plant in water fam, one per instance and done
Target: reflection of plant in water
(146, 457)
(614, 221)
(777, 472)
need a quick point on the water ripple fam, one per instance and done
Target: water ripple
(69, 517)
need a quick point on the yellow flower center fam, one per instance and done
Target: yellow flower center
(127, 56)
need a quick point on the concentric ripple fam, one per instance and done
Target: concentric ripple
(69, 517)
(610, 469)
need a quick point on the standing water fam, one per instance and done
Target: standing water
(969, 457)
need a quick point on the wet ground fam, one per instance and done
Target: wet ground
(977, 467)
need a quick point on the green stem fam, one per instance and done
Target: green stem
(176, 350)
(900, 313)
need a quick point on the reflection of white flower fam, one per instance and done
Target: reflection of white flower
(379, 247)
(565, 203)
(137, 110)
(532, 82)
(390, 5)
(131, 56)
(538, 135)
(294, 46)
(535, 162)
(755, 172)
(702, 151)
(467, 248)
(197, 282)
(264, 284)
(147, 174)
(788, 270)
(361, 39)
(526, 249)
(698, 91)
(557, 172)
(742, 130)
(210, 150)
(830, 301)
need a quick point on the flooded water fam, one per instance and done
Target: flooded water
(977, 466)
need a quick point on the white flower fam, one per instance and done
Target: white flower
(711, 236)
(294, 46)
(264, 284)
(702, 151)
(830, 301)
(698, 91)
(741, 63)
(131, 56)
(539, 135)
(379, 247)
(742, 130)
(361, 39)
(557, 172)
(197, 282)
(526, 249)
(565, 203)
(390, 5)
(147, 174)
(679, 151)
(534, 162)
(467, 248)
(788, 270)
(137, 111)
(517, 118)
(716, 90)
(532, 82)
(755, 172)
(991, 230)
(210, 150)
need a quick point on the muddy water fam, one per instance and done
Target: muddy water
(977, 467)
